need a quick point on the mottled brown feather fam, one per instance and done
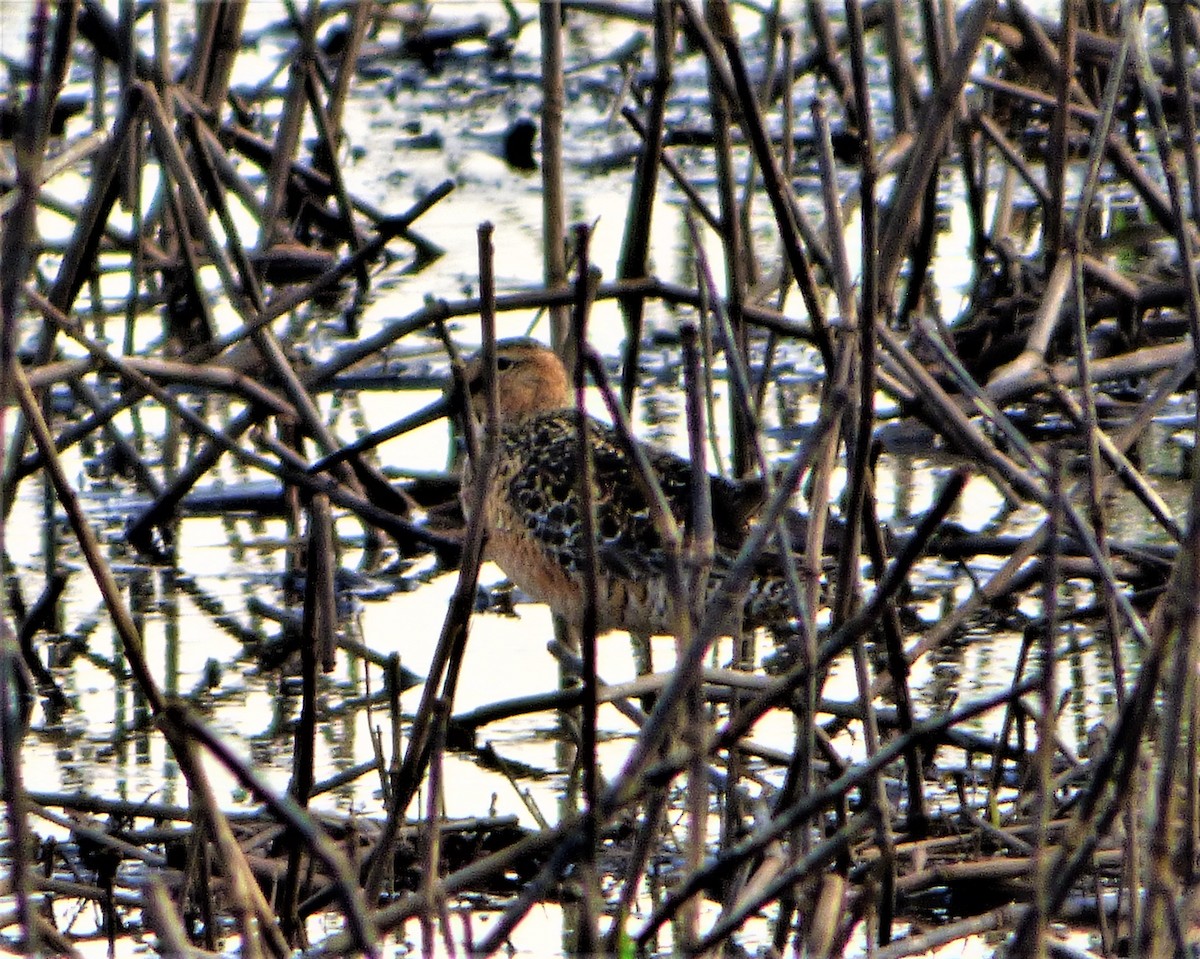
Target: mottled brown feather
(533, 514)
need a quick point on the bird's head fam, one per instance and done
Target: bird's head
(530, 379)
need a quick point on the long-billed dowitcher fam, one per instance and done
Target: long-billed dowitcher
(533, 516)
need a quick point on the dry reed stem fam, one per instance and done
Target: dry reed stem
(226, 441)
(854, 777)
(554, 216)
(907, 243)
(732, 233)
(635, 246)
(695, 200)
(698, 558)
(183, 724)
(443, 672)
(933, 129)
(862, 320)
(586, 760)
(278, 307)
(731, 73)
(431, 847)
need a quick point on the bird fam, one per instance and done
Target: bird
(533, 516)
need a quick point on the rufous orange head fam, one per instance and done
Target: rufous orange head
(530, 379)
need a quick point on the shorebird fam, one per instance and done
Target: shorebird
(532, 505)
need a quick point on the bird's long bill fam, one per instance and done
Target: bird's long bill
(434, 411)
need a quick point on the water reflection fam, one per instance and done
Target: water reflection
(206, 631)
(217, 629)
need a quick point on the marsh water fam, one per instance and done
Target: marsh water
(210, 618)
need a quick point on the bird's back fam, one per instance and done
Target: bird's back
(533, 512)
(536, 532)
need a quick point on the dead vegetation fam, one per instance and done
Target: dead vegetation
(1072, 147)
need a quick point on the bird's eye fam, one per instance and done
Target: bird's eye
(504, 363)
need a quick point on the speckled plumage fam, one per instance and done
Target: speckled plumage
(532, 507)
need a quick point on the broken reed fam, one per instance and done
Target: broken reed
(811, 832)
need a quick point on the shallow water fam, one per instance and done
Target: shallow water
(199, 619)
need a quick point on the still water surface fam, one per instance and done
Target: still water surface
(202, 619)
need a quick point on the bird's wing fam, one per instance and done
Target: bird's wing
(545, 498)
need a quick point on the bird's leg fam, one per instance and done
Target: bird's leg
(643, 661)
